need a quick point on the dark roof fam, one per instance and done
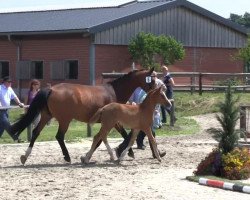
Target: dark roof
(94, 19)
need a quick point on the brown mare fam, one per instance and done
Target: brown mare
(137, 117)
(65, 102)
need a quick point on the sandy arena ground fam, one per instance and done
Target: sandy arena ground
(46, 176)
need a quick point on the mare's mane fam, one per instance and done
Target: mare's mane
(125, 76)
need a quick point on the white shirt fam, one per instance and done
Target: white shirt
(6, 95)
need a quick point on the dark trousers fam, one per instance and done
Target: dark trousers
(139, 139)
(4, 123)
(164, 114)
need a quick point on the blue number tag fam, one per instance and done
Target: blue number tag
(148, 79)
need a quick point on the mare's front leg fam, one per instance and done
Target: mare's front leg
(35, 133)
(97, 138)
(134, 134)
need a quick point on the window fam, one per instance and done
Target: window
(71, 69)
(4, 69)
(61, 70)
(36, 69)
(30, 69)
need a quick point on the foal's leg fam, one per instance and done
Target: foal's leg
(62, 129)
(134, 134)
(97, 138)
(105, 141)
(153, 143)
(35, 133)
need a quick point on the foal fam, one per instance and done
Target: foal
(137, 117)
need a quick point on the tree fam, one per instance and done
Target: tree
(242, 20)
(169, 49)
(227, 135)
(147, 48)
(244, 54)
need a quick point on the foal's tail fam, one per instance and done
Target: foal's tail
(96, 117)
(38, 103)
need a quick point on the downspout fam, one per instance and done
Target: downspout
(17, 44)
(91, 72)
(92, 61)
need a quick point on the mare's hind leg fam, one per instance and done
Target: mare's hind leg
(134, 134)
(97, 138)
(63, 127)
(35, 133)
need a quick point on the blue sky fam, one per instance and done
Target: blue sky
(220, 7)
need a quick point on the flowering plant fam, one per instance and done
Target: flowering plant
(211, 164)
(236, 164)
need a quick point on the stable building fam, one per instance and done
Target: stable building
(78, 45)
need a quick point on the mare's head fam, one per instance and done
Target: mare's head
(157, 96)
(143, 78)
(126, 85)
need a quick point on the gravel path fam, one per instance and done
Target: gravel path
(46, 176)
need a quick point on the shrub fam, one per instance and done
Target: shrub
(227, 135)
(236, 164)
(210, 165)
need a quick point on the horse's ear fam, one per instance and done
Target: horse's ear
(151, 70)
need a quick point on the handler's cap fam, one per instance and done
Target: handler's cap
(7, 79)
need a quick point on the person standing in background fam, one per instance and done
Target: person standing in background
(6, 95)
(169, 83)
(33, 90)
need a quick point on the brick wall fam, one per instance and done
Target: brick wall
(108, 57)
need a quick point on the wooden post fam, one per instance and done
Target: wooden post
(200, 84)
(243, 118)
(89, 130)
(192, 89)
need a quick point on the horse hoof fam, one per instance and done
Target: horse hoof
(23, 159)
(84, 160)
(159, 160)
(118, 161)
(67, 159)
(131, 154)
(162, 154)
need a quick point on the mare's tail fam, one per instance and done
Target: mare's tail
(96, 117)
(38, 103)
